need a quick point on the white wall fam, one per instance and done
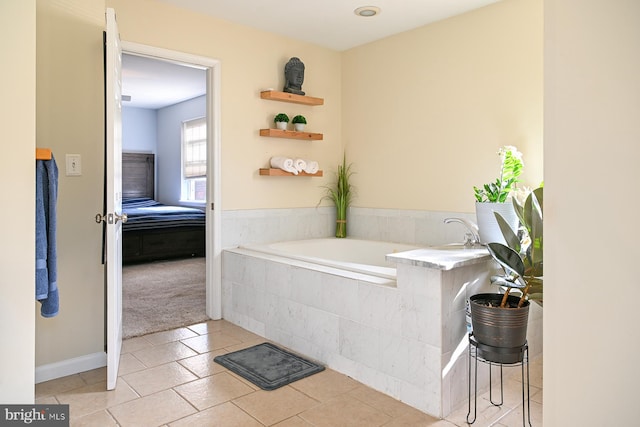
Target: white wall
(592, 147)
(169, 154)
(139, 130)
(17, 191)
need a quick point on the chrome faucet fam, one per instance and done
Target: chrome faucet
(471, 237)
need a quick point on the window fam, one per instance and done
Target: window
(194, 160)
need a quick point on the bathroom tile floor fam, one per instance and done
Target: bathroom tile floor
(170, 379)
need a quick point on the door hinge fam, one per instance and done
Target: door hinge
(212, 207)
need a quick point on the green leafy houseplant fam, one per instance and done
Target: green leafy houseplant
(281, 117)
(501, 320)
(341, 194)
(299, 119)
(510, 170)
(522, 258)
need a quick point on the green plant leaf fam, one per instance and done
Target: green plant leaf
(508, 258)
(533, 211)
(509, 236)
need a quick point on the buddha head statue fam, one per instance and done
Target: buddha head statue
(294, 76)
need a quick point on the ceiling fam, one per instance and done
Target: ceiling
(153, 84)
(330, 23)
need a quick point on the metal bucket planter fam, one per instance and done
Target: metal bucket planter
(502, 331)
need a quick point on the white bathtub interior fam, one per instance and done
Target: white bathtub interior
(355, 255)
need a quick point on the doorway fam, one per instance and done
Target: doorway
(209, 69)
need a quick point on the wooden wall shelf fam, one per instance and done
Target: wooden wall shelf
(291, 97)
(291, 134)
(280, 172)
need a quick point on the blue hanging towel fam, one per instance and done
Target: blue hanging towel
(46, 257)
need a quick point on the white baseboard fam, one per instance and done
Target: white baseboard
(70, 366)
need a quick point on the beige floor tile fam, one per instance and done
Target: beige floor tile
(159, 378)
(227, 400)
(129, 364)
(325, 385)
(59, 385)
(94, 376)
(414, 418)
(293, 422)
(537, 396)
(208, 327)
(486, 414)
(170, 336)
(444, 423)
(97, 419)
(210, 342)
(134, 344)
(270, 407)
(243, 345)
(512, 392)
(514, 418)
(213, 390)
(153, 410)
(239, 333)
(243, 380)
(49, 400)
(224, 415)
(345, 411)
(376, 399)
(202, 365)
(164, 353)
(95, 397)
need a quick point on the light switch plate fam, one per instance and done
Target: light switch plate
(74, 165)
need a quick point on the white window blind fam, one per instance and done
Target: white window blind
(194, 143)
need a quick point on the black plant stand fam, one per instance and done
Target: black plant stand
(483, 353)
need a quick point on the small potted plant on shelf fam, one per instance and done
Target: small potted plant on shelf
(341, 195)
(299, 122)
(493, 197)
(500, 320)
(281, 120)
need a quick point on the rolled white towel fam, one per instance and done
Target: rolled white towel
(284, 163)
(311, 167)
(299, 164)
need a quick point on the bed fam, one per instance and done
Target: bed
(155, 231)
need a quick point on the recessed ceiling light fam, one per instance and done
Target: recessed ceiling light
(367, 11)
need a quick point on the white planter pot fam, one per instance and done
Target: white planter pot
(281, 125)
(487, 224)
(299, 127)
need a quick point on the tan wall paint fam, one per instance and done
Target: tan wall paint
(425, 112)
(251, 60)
(592, 135)
(17, 191)
(70, 120)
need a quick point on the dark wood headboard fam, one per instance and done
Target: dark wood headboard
(138, 171)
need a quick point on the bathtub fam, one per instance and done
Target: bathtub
(358, 256)
(339, 302)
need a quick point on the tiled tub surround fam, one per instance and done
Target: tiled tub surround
(414, 227)
(404, 337)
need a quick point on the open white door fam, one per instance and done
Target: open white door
(113, 177)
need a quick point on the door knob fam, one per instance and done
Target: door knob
(111, 218)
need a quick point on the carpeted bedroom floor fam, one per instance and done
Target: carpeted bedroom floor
(162, 295)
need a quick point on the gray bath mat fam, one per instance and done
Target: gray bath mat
(267, 366)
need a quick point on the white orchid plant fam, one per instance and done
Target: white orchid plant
(510, 170)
